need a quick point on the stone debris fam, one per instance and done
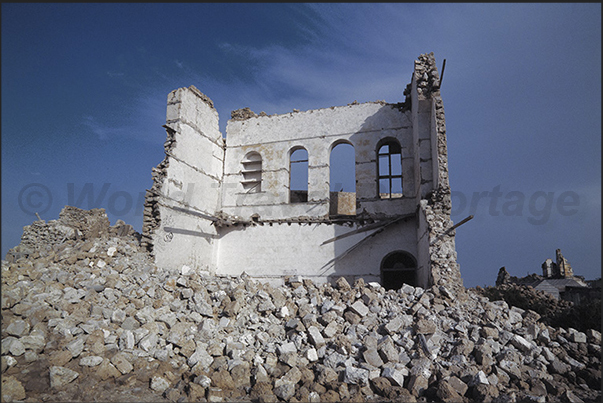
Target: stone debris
(61, 376)
(182, 336)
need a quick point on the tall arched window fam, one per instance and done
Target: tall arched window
(398, 268)
(252, 172)
(298, 175)
(389, 160)
(342, 180)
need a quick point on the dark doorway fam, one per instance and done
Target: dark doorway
(398, 268)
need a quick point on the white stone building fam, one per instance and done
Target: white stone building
(225, 204)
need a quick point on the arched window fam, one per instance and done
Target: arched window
(342, 180)
(389, 160)
(298, 175)
(398, 268)
(252, 172)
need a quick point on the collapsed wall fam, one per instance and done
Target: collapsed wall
(179, 208)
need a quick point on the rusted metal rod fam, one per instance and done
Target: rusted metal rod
(459, 224)
(450, 229)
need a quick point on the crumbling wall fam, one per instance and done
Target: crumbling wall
(42, 238)
(564, 268)
(179, 208)
(436, 205)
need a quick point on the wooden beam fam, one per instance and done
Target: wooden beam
(367, 228)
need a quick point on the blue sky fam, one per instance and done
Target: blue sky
(84, 89)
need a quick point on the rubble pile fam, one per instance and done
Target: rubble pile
(554, 312)
(90, 318)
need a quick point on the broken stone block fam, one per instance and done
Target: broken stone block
(312, 355)
(331, 329)
(315, 337)
(284, 391)
(489, 332)
(12, 389)
(120, 362)
(201, 357)
(570, 397)
(515, 316)
(91, 361)
(107, 370)
(576, 336)
(521, 343)
(13, 346)
(286, 348)
(352, 317)
(395, 376)
(126, 340)
(159, 384)
(388, 351)
(417, 385)
(356, 376)
(424, 326)
(483, 355)
(479, 378)
(458, 385)
(240, 373)
(574, 364)
(394, 325)
(18, 328)
(61, 376)
(371, 356)
(594, 336)
(342, 284)
(407, 289)
(76, 347)
(447, 393)
(359, 308)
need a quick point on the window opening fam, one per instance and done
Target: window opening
(389, 159)
(298, 176)
(342, 180)
(252, 173)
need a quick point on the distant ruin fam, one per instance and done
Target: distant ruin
(226, 204)
(557, 279)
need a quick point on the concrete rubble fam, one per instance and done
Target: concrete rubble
(87, 316)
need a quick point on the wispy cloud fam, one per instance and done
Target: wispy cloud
(102, 131)
(113, 74)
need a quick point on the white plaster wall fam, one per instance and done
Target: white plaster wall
(423, 269)
(192, 186)
(199, 152)
(281, 249)
(318, 131)
(172, 249)
(187, 106)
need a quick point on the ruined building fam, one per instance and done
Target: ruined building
(560, 269)
(226, 204)
(557, 279)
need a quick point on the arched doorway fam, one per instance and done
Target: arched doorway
(398, 268)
